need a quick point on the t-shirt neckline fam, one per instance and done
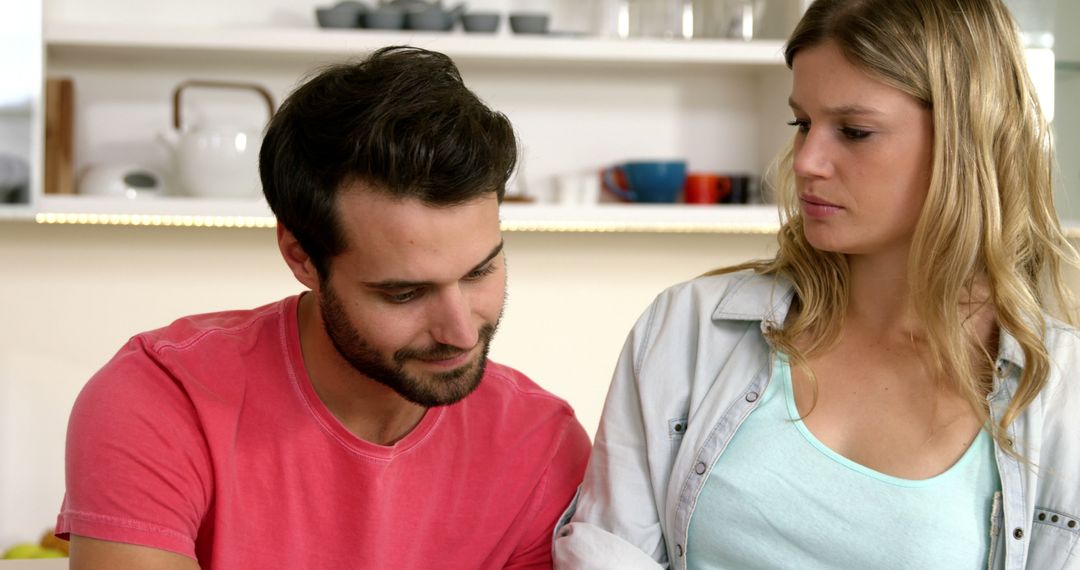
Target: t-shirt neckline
(297, 372)
(784, 368)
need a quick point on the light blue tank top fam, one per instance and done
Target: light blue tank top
(779, 498)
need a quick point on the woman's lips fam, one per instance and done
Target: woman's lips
(818, 208)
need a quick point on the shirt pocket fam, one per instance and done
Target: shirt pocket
(1054, 538)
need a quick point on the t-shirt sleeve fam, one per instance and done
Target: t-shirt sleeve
(558, 487)
(138, 470)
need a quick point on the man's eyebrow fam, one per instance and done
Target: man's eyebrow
(392, 284)
(842, 110)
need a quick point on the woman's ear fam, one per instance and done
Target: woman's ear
(297, 259)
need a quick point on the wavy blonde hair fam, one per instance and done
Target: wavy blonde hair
(988, 231)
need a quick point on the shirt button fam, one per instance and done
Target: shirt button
(751, 397)
(699, 468)
(678, 550)
(1018, 534)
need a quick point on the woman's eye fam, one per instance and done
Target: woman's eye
(854, 134)
(802, 125)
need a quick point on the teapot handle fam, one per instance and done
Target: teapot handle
(267, 98)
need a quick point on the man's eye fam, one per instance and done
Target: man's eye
(854, 134)
(481, 273)
(802, 125)
(403, 297)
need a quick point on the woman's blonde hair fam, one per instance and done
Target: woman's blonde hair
(988, 222)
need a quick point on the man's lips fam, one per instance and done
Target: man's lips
(445, 359)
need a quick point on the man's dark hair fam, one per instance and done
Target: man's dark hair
(400, 122)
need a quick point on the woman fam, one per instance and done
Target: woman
(892, 389)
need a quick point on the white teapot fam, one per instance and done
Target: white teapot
(216, 161)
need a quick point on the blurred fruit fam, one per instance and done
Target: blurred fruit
(49, 553)
(26, 550)
(49, 540)
(21, 550)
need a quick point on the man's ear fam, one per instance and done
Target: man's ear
(297, 259)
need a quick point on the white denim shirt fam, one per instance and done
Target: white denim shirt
(694, 367)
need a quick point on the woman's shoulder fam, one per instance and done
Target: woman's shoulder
(1062, 342)
(738, 295)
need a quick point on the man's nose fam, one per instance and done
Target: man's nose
(451, 320)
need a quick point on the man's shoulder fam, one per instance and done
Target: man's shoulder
(509, 401)
(210, 351)
(189, 332)
(510, 386)
(513, 412)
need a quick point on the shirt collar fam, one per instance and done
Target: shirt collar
(756, 297)
(767, 298)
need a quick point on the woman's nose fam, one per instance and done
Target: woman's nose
(811, 155)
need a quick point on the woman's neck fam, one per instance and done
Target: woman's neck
(881, 302)
(880, 295)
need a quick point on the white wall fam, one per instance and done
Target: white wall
(1067, 118)
(71, 295)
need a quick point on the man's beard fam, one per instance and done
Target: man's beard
(438, 389)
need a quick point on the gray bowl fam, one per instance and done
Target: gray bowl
(481, 22)
(385, 18)
(436, 20)
(335, 18)
(529, 23)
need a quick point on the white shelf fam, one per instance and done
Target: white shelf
(121, 43)
(600, 218)
(307, 42)
(661, 218)
(668, 218)
(165, 211)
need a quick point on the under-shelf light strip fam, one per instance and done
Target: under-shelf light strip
(660, 228)
(512, 226)
(156, 220)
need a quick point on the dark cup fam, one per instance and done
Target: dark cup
(740, 189)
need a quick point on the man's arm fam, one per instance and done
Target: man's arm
(560, 483)
(93, 554)
(138, 468)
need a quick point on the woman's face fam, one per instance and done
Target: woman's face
(863, 155)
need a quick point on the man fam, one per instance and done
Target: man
(359, 424)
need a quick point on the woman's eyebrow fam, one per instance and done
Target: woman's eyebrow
(841, 110)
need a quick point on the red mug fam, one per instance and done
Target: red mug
(705, 188)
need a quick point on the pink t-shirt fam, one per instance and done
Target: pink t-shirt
(207, 439)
